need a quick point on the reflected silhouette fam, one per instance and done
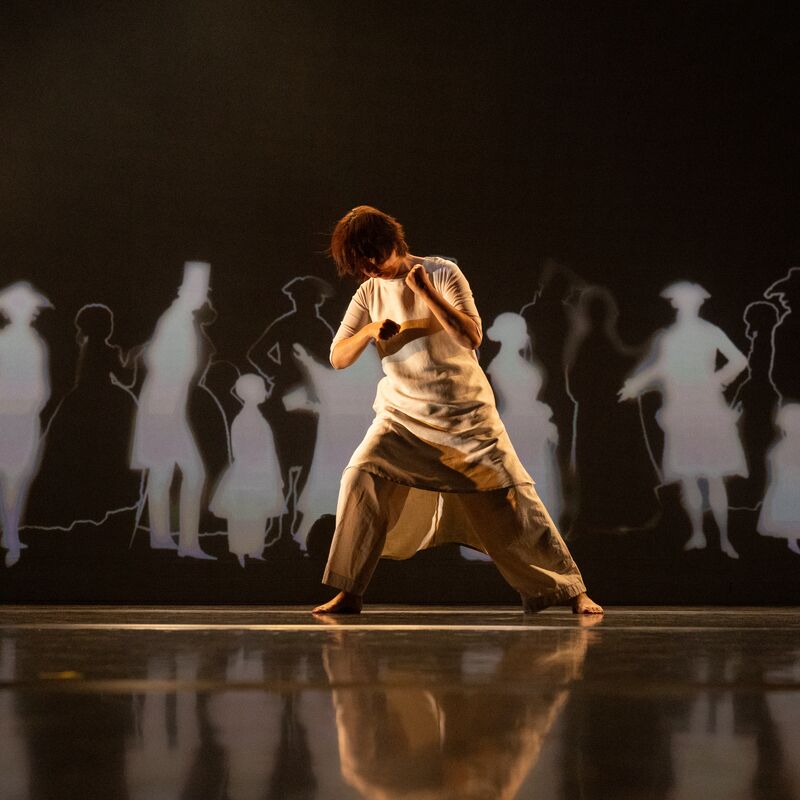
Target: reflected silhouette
(403, 734)
(701, 439)
(785, 375)
(24, 392)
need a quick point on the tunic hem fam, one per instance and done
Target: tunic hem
(534, 604)
(374, 471)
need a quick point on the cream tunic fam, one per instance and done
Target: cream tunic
(436, 426)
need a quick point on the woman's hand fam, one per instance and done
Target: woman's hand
(383, 329)
(419, 281)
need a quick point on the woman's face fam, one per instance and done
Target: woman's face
(384, 269)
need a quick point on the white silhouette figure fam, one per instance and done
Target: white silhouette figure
(517, 381)
(780, 511)
(344, 405)
(701, 440)
(162, 436)
(24, 391)
(250, 491)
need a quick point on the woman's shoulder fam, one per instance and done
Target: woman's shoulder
(442, 266)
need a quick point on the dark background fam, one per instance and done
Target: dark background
(634, 143)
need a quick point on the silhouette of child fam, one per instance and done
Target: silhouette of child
(250, 491)
(780, 512)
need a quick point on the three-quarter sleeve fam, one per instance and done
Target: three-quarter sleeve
(355, 318)
(456, 290)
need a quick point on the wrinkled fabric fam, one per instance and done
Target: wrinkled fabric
(436, 425)
(377, 517)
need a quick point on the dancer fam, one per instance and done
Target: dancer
(701, 438)
(436, 432)
(251, 490)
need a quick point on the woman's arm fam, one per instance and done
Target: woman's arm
(461, 327)
(346, 351)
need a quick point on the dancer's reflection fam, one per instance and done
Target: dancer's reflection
(701, 440)
(24, 391)
(402, 733)
(163, 438)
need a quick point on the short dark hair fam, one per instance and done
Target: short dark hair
(363, 235)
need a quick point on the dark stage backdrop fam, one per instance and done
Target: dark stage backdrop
(617, 181)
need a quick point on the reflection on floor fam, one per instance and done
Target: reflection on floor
(416, 703)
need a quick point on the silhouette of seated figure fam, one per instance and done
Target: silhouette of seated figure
(780, 511)
(606, 432)
(84, 473)
(24, 392)
(250, 491)
(701, 439)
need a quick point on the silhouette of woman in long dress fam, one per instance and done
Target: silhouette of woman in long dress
(780, 511)
(24, 392)
(701, 439)
(250, 491)
(517, 383)
(84, 466)
(605, 432)
(163, 438)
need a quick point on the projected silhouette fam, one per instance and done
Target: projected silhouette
(517, 383)
(780, 511)
(785, 374)
(758, 399)
(162, 437)
(24, 391)
(549, 318)
(251, 490)
(342, 401)
(84, 475)
(272, 357)
(701, 440)
(606, 432)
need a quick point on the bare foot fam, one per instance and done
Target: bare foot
(583, 604)
(343, 603)
(728, 549)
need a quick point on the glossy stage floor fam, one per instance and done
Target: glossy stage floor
(463, 703)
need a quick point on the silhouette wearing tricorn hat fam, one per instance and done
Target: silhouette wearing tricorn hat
(163, 438)
(701, 440)
(24, 391)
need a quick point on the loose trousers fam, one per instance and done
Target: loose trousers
(510, 524)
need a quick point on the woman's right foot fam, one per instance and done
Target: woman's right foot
(343, 603)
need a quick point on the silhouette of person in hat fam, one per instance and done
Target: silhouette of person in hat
(701, 439)
(163, 438)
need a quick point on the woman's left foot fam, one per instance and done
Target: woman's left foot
(583, 604)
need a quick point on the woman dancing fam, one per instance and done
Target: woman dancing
(436, 465)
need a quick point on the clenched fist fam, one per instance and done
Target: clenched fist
(418, 280)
